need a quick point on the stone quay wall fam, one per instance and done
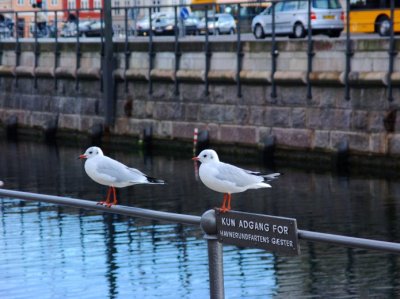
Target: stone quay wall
(45, 85)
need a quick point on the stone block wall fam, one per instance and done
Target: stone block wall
(69, 93)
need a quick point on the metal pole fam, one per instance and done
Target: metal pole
(108, 79)
(310, 52)
(215, 267)
(215, 255)
(92, 205)
(274, 55)
(208, 224)
(239, 54)
(177, 50)
(349, 53)
(151, 52)
(392, 53)
(208, 55)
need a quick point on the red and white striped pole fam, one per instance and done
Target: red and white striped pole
(196, 166)
(195, 134)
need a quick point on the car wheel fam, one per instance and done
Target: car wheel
(258, 32)
(217, 32)
(383, 26)
(232, 31)
(298, 31)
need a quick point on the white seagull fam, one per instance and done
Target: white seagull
(111, 173)
(227, 178)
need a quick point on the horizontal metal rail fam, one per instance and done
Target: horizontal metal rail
(345, 241)
(91, 205)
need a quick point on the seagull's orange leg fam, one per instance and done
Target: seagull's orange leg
(114, 198)
(107, 202)
(229, 202)
(223, 207)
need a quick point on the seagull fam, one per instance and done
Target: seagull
(227, 178)
(111, 173)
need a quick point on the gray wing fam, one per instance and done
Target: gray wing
(236, 175)
(120, 172)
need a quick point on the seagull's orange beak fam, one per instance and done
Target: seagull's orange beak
(195, 159)
(82, 157)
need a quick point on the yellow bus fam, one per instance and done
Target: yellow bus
(248, 9)
(373, 16)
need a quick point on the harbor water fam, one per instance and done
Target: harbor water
(49, 251)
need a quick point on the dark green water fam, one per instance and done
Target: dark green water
(48, 251)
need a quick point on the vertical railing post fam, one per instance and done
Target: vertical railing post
(17, 49)
(208, 55)
(239, 54)
(78, 50)
(349, 53)
(392, 53)
(57, 52)
(274, 54)
(126, 49)
(36, 50)
(151, 52)
(310, 52)
(177, 49)
(108, 67)
(215, 256)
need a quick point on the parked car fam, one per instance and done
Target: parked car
(191, 24)
(164, 26)
(142, 26)
(218, 24)
(92, 29)
(291, 18)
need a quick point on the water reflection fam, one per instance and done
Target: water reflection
(59, 252)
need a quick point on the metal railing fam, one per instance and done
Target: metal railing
(207, 222)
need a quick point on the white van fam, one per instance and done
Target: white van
(291, 18)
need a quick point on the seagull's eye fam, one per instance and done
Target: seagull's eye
(204, 156)
(90, 152)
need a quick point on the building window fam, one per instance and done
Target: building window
(97, 4)
(71, 4)
(21, 2)
(54, 2)
(84, 4)
(117, 10)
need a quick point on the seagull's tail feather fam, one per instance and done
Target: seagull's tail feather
(270, 177)
(152, 180)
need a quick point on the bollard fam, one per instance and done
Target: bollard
(11, 127)
(215, 257)
(96, 134)
(50, 129)
(341, 158)
(203, 140)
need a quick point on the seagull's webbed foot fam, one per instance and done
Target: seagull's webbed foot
(107, 201)
(224, 208)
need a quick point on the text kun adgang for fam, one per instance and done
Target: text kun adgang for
(254, 225)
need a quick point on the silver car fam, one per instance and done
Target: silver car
(218, 24)
(291, 18)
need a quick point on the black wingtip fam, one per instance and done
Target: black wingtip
(155, 180)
